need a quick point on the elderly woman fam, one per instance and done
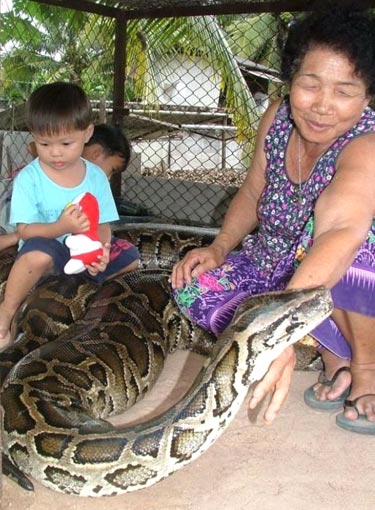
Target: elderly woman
(311, 193)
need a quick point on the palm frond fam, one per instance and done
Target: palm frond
(193, 36)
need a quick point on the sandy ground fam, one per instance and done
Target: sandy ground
(302, 461)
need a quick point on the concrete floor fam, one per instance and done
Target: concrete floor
(301, 462)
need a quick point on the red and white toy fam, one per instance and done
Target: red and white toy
(86, 247)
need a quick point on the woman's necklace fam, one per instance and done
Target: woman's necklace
(300, 187)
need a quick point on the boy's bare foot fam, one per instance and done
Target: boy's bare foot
(6, 317)
(4, 338)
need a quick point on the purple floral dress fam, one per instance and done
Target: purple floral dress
(270, 256)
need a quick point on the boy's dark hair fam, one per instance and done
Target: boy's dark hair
(113, 141)
(58, 107)
(342, 26)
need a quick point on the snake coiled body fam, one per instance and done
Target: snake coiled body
(96, 351)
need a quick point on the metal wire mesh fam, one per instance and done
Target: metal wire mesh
(195, 89)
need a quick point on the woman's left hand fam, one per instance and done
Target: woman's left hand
(100, 266)
(277, 382)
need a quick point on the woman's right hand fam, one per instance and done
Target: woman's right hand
(196, 262)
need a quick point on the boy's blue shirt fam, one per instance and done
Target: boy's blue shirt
(37, 199)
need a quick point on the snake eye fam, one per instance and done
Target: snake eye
(294, 323)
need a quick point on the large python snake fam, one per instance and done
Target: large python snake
(83, 354)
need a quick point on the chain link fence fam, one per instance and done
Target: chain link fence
(195, 89)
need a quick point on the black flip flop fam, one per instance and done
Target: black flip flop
(361, 425)
(326, 405)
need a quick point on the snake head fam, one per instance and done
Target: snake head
(268, 323)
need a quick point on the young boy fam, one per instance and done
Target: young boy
(108, 148)
(59, 118)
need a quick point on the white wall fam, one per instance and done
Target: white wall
(189, 152)
(188, 82)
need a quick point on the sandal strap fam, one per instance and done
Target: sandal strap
(322, 379)
(353, 402)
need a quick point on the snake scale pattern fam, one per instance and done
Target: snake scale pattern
(84, 353)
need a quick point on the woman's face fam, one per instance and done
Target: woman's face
(326, 97)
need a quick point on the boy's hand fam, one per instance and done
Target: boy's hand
(74, 221)
(100, 266)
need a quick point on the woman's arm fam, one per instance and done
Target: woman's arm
(240, 219)
(343, 216)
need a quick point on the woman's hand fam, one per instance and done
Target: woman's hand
(100, 266)
(277, 382)
(196, 262)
